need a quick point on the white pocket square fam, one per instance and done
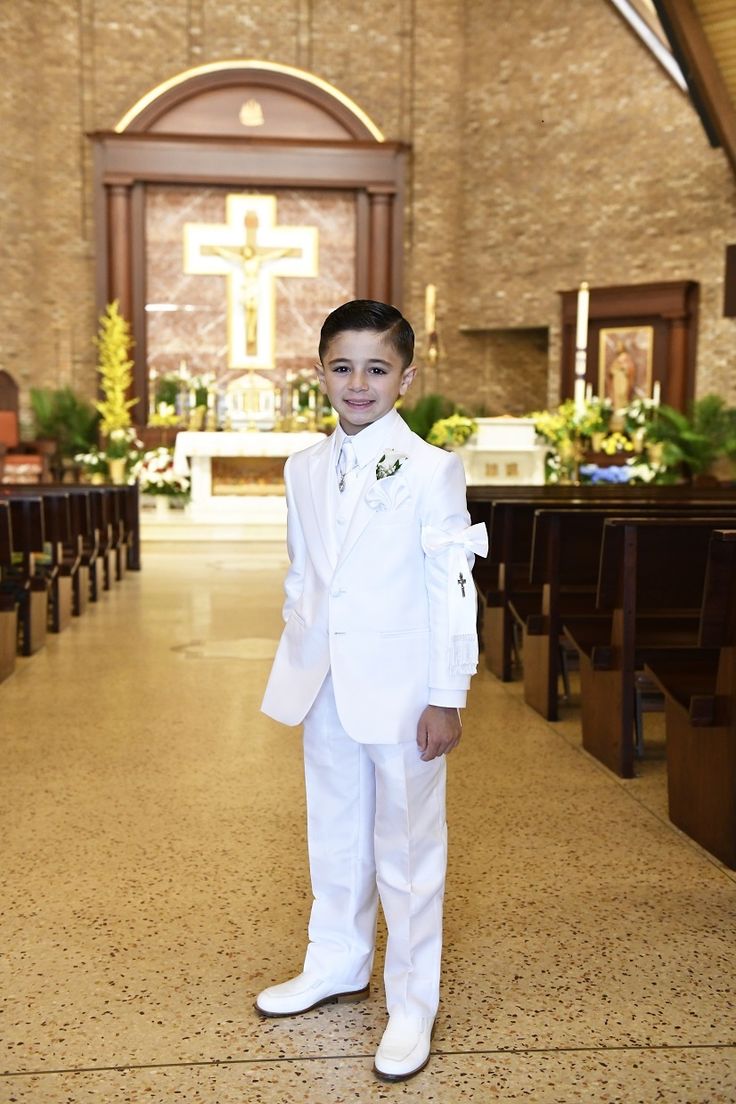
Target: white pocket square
(387, 494)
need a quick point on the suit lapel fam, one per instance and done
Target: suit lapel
(321, 476)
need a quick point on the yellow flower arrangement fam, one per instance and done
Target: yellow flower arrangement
(113, 343)
(455, 430)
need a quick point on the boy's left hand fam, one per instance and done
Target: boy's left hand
(438, 731)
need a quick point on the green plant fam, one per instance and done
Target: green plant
(167, 390)
(65, 418)
(425, 412)
(681, 445)
(716, 421)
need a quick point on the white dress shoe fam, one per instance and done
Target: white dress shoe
(304, 992)
(404, 1048)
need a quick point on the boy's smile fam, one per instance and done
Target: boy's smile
(362, 376)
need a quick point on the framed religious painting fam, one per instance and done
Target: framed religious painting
(625, 359)
(641, 342)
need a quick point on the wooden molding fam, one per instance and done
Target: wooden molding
(700, 69)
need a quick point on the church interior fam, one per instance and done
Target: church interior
(547, 191)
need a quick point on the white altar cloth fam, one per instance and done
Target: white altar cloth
(193, 454)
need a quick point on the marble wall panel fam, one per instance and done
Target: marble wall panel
(196, 332)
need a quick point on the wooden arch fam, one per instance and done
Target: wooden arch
(242, 124)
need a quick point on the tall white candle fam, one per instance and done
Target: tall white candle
(579, 395)
(581, 332)
(657, 393)
(430, 308)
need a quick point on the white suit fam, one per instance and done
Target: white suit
(366, 647)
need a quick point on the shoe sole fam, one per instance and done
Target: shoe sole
(352, 997)
(392, 1078)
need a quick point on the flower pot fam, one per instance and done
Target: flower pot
(162, 506)
(117, 468)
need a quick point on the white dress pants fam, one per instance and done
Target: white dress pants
(375, 826)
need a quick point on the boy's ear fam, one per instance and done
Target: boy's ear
(320, 376)
(407, 378)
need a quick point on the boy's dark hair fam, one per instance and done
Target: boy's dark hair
(368, 314)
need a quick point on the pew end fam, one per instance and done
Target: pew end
(8, 635)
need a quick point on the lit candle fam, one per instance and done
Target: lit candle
(581, 333)
(579, 395)
(657, 393)
(430, 307)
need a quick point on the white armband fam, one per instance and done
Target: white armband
(461, 604)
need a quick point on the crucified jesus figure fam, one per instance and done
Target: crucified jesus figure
(250, 257)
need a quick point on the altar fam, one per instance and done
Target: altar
(237, 489)
(503, 451)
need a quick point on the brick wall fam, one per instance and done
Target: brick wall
(548, 147)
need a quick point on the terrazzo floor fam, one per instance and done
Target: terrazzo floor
(154, 878)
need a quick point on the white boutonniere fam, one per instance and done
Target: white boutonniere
(390, 463)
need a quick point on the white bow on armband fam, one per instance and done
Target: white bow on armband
(461, 598)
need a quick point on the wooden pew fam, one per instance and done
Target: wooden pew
(75, 560)
(8, 603)
(509, 513)
(58, 531)
(102, 517)
(563, 575)
(23, 582)
(700, 710)
(132, 525)
(651, 582)
(63, 521)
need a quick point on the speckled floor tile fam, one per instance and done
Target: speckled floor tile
(593, 1077)
(154, 878)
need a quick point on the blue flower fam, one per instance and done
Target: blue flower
(615, 474)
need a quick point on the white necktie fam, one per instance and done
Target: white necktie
(347, 462)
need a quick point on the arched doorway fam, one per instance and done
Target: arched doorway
(245, 126)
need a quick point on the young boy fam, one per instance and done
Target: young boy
(375, 659)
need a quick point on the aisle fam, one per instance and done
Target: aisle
(154, 879)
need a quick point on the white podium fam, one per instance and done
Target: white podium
(253, 510)
(504, 450)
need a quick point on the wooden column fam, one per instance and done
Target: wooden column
(119, 274)
(676, 390)
(381, 217)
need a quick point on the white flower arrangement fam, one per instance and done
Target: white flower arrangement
(157, 476)
(390, 463)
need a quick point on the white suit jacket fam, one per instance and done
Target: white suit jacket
(377, 615)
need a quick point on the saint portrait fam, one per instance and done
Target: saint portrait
(625, 364)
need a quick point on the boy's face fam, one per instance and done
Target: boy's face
(362, 376)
